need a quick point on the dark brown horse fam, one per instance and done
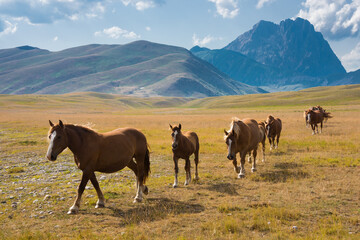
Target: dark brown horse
(183, 146)
(273, 129)
(108, 152)
(243, 137)
(313, 117)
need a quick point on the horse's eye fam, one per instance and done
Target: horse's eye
(58, 137)
(49, 136)
(172, 134)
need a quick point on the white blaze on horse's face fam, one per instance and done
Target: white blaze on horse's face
(175, 142)
(51, 146)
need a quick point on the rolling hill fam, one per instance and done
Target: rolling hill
(139, 68)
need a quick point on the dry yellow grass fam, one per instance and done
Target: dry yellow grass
(307, 189)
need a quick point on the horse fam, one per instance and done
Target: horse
(243, 137)
(273, 129)
(183, 146)
(313, 117)
(103, 152)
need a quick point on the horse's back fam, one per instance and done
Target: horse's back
(193, 138)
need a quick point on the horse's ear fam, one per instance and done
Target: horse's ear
(61, 124)
(179, 126)
(51, 124)
(226, 133)
(171, 128)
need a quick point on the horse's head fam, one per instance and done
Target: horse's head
(57, 140)
(176, 131)
(307, 116)
(230, 140)
(269, 121)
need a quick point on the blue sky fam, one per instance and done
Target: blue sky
(59, 24)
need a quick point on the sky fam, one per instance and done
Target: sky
(60, 24)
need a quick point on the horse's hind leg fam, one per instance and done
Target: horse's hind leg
(188, 173)
(277, 141)
(253, 169)
(249, 157)
(101, 200)
(84, 179)
(321, 126)
(196, 159)
(140, 188)
(263, 150)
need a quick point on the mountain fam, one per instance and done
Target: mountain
(293, 45)
(279, 57)
(139, 68)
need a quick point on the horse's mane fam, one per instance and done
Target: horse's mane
(235, 126)
(78, 128)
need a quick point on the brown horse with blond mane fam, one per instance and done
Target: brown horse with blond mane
(108, 152)
(243, 137)
(273, 129)
(183, 146)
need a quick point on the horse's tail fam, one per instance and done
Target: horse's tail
(327, 115)
(146, 166)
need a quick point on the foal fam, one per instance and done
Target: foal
(273, 128)
(183, 146)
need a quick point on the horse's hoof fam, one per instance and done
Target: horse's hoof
(72, 212)
(137, 200)
(100, 205)
(175, 185)
(146, 190)
(241, 176)
(186, 183)
(253, 170)
(263, 160)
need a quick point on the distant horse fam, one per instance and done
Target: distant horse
(313, 117)
(243, 137)
(273, 129)
(183, 146)
(108, 152)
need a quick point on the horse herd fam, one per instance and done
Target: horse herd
(127, 147)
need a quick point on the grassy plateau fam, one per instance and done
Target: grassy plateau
(308, 188)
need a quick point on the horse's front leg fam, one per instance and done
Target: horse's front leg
(249, 157)
(263, 151)
(176, 169)
(85, 178)
(242, 165)
(101, 200)
(187, 170)
(313, 129)
(236, 168)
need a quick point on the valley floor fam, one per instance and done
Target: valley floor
(308, 188)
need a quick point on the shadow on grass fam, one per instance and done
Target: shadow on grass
(227, 188)
(287, 165)
(156, 209)
(282, 175)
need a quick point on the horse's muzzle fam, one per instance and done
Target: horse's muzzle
(230, 157)
(174, 146)
(51, 157)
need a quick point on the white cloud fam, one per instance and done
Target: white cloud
(351, 61)
(7, 28)
(49, 11)
(55, 38)
(117, 32)
(148, 29)
(226, 8)
(204, 41)
(261, 3)
(336, 19)
(142, 5)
